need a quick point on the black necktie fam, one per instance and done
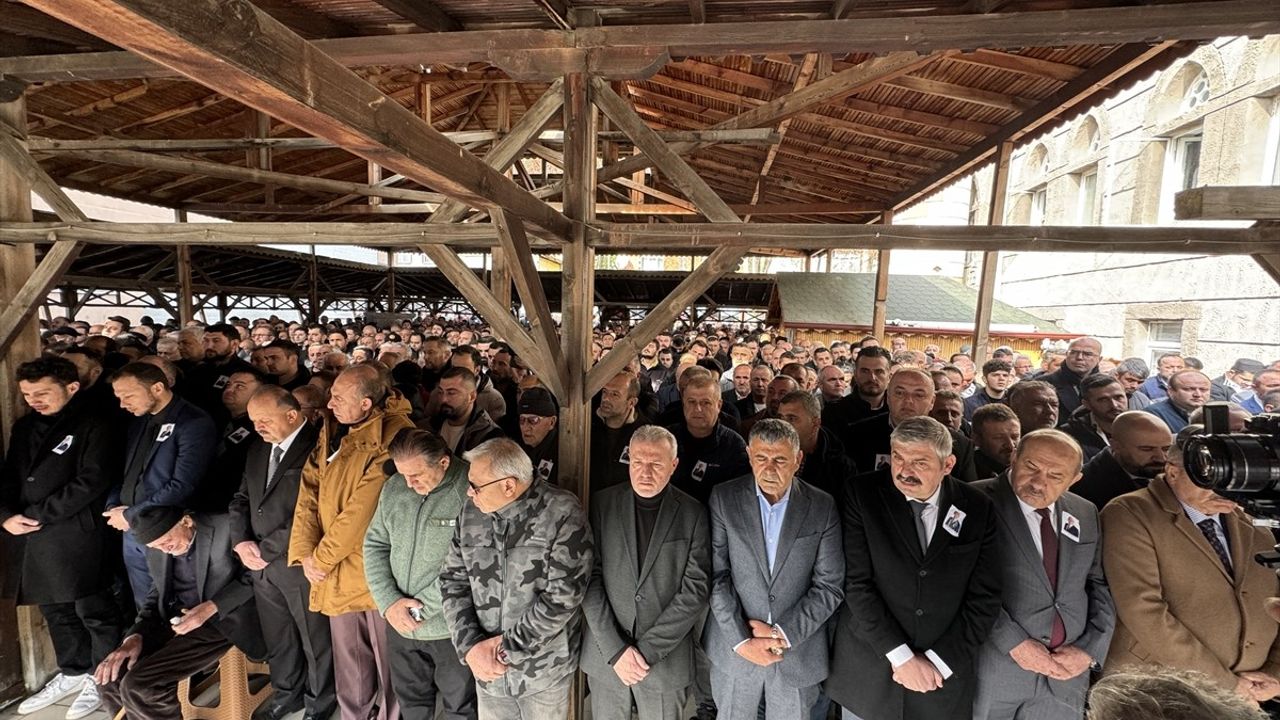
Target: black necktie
(1208, 526)
(1049, 551)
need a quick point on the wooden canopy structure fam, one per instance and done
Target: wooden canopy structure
(573, 127)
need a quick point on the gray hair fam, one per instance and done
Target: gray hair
(807, 400)
(772, 430)
(506, 459)
(1135, 367)
(653, 435)
(923, 430)
(1160, 693)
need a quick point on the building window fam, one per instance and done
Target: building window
(1087, 197)
(1039, 199)
(1163, 336)
(1196, 95)
(1181, 170)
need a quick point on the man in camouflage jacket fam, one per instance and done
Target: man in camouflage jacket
(512, 585)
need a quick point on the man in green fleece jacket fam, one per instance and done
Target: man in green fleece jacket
(404, 549)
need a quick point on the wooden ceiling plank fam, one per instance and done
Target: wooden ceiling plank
(1024, 64)
(963, 93)
(426, 14)
(283, 75)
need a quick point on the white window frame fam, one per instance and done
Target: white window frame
(1174, 174)
(1039, 205)
(1086, 199)
(1156, 348)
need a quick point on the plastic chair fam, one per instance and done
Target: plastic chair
(237, 698)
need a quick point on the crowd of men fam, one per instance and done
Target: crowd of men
(774, 529)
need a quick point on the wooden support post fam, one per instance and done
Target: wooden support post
(991, 259)
(26, 655)
(186, 296)
(882, 284)
(259, 127)
(313, 288)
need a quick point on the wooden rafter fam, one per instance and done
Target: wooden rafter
(426, 14)
(298, 86)
(515, 246)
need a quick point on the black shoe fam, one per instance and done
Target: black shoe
(272, 711)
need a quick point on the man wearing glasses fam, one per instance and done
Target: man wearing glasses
(1082, 360)
(513, 583)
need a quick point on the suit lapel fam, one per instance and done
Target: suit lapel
(941, 538)
(666, 517)
(750, 507)
(1196, 537)
(1011, 516)
(626, 505)
(301, 446)
(792, 520)
(59, 432)
(1239, 541)
(899, 514)
(204, 544)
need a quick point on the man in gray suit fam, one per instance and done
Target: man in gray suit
(777, 577)
(1057, 616)
(649, 586)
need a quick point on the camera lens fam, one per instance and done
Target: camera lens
(1233, 463)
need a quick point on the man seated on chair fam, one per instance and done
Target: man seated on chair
(200, 604)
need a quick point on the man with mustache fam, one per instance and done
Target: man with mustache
(922, 584)
(1139, 448)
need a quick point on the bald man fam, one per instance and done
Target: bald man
(1139, 448)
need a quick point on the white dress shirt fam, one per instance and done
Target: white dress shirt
(1033, 523)
(903, 653)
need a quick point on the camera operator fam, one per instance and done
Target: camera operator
(1180, 561)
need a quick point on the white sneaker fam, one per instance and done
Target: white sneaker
(86, 702)
(59, 687)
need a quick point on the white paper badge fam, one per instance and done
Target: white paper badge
(625, 457)
(221, 382)
(882, 460)
(544, 469)
(63, 446)
(953, 521)
(238, 436)
(165, 431)
(699, 471)
(1070, 527)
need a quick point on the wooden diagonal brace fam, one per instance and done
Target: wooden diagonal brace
(515, 243)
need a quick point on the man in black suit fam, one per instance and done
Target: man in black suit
(1082, 359)
(870, 380)
(1140, 444)
(62, 460)
(200, 605)
(910, 394)
(922, 584)
(301, 650)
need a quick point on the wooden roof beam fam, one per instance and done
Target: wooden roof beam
(1100, 26)
(1260, 202)
(963, 93)
(283, 75)
(426, 14)
(1024, 64)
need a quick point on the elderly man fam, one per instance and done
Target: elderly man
(404, 550)
(910, 395)
(62, 460)
(199, 606)
(1188, 593)
(831, 385)
(1187, 390)
(339, 493)
(776, 580)
(301, 650)
(1264, 383)
(1082, 359)
(757, 397)
(539, 432)
(996, 432)
(710, 453)
(512, 583)
(948, 409)
(170, 445)
(1057, 616)
(825, 465)
(1035, 402)
(1156, 387)
(1138, 452)
(649, 587)
(922, 587)
(459, 420)
(778, 387)
(1103, 399)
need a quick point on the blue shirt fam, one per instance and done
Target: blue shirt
(771, 517)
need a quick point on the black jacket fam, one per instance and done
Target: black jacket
(987, 466)
(945, 600)
(870, 447)
(1103, 480)
(219, 577)
(546, 459)
(827, 468)
(1080, 426)
(839, 416)
(265, 514)
(1067, 384)
(610, 456)
(707, 462)
(220, 482)
(58, 471)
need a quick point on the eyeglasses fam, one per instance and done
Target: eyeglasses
(530, 419)
(477, 488)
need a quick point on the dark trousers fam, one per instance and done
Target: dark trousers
(423, 669)
(83, 631)
(149, 691)
(135, 565)
(300, 649)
